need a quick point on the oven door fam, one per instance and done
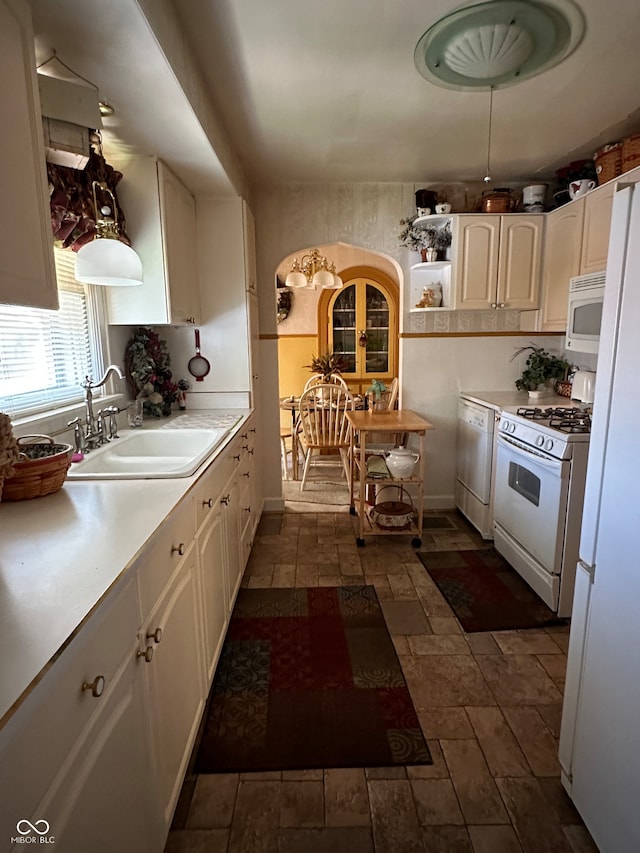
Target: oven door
(531, 500)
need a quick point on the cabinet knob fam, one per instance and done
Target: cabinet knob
(247, 509)
(179, 548)
(225, 500)
(247, 474)
(96, 686)
(253, 429)
(208, 502)
(237, 458)
(191, 320)
(502, 305)
(244, 435)
(156, 635)
(147, 654)
(494, 305)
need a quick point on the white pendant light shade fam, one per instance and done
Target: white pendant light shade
(337, 282)
(108, 262)
(296, 279)
(323, 278)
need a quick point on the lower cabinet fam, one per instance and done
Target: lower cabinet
(100, 747)
(171, 650)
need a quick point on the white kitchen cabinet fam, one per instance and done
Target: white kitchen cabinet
(27, 274)
(161, 224)
(496, 261)
(229, 298)
(213, 586)
(171, 648)
(77, 748)
(598, 205)
(560, 262)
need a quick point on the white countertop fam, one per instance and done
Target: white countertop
(500, 400)
(61, 554)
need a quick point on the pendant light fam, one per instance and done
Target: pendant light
(106, 260)
(487, 178)
(314, 270)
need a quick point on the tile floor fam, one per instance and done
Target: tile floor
(489, 705)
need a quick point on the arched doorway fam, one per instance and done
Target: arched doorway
(361, 321)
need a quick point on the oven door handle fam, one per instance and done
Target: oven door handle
(538, 457)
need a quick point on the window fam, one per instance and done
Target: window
(45, 355)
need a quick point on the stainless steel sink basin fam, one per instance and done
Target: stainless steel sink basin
(141, 454)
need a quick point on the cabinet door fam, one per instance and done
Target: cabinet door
(27, 275)
(561, 261)
(178, 212)
(598, 205)
(232, 518)
(475, 268)
(102, 800)
(363, 326)
(519, 261)
(174, 682)
(214, 596)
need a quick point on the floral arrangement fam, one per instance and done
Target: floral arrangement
(284, 304)
(415, 237)
(330, 362)
(147, 362)
(577, 170)
(376, 388)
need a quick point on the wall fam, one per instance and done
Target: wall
(433, 370)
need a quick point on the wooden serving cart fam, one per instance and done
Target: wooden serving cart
(390, 423)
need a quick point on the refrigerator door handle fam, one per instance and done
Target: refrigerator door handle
(589, 569)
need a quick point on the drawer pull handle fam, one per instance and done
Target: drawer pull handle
(225, 500)
(244, 435)
(179, 548)
(96, 686)
(253, 429)
(208, 502)
(147, 654)
(247, 474)
(237, 457)
(156, 635)
(247, 509)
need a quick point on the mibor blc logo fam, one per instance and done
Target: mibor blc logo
(33, 833)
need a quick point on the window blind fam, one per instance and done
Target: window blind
(45, 355)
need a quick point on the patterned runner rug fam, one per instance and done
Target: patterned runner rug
(485, 592)
(309, 678)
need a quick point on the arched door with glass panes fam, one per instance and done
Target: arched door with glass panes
(362, 324)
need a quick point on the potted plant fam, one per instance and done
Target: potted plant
(377, 396)
(421, 239)
(328, 364)
(540, 367)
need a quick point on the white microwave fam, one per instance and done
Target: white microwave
(584, 315)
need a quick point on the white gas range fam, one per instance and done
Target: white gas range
(539, 490)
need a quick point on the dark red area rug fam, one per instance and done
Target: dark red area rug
(485, 592)
(309, 678)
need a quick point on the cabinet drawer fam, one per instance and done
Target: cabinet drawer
(162, 557)
(210, 486)
(39, 738)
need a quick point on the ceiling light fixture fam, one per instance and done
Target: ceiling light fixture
(498, 43)
(314, 270)
(106, 260)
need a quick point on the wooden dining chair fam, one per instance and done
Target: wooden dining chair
(324, 425)
(319, 379)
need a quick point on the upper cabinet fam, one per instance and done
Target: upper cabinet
(27, 275)
(561, 262)
(161, 224)
(596, 227)
(496, 261)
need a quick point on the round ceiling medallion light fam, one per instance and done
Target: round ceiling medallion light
(499, 43)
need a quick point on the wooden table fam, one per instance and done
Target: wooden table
(391, 423)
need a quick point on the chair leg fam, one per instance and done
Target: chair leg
(307, 460)
(346, 464)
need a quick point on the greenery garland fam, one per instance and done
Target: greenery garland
(147, 362)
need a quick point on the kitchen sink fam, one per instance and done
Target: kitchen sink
(142, 454)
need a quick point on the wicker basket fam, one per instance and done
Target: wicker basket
(41, 469)
(608, 162)
(630, 152)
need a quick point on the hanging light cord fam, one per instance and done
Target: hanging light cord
(487, 178)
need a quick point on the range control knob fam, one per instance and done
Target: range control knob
(549, 444)
(540, 440)
(512, 427)
(504, 425)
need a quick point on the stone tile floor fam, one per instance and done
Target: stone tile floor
(489, 705)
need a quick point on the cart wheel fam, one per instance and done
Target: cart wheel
(352, 510)
(360, 543)
(416, 542)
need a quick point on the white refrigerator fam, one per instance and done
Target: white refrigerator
(600, 735)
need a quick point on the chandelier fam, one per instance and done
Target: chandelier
(314, 270)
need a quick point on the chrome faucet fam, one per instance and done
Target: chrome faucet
(95, 432)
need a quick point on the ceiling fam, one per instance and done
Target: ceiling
(328, 92)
